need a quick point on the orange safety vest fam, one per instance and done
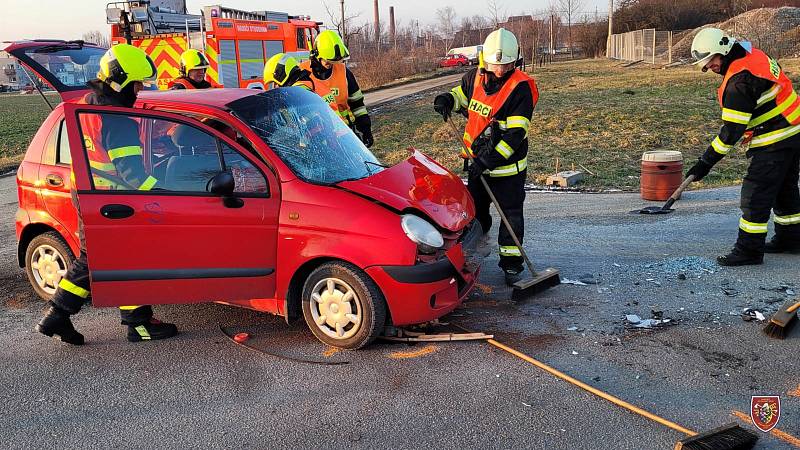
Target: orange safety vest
(762, 66)
(482, 107)
(188, 85)
(321, 90)
(337, 85)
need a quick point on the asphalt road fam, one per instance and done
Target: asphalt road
(385, 95)
(199, 389)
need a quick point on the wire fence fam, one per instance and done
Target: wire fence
(648, 45)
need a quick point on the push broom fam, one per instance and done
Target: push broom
(783, 321)
(539, 281)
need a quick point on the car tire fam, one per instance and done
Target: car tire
(342, 306)
(47, 259)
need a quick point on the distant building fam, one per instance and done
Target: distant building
(10, 73)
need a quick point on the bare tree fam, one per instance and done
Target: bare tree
(96, 37)
(466, 28)
(480, 23)
(570, 8)
(496, 12)
(347, 28)
(446, 18)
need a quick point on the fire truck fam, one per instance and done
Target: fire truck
(237, 43)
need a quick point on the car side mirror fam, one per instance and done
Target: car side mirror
(223, 185)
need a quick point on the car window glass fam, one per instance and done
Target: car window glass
(249, 180)
(49, 155)
(64, 157)
(132, 153)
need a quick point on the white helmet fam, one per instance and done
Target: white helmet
(710, 42)
(500, 47)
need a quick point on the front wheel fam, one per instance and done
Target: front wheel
(47, 260)
(342, 306)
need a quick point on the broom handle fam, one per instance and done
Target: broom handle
(678, 192)
(494, 201)
(793, 308)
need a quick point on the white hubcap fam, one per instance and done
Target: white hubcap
(335, 308)
(48, 267)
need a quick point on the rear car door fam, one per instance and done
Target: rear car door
(176, 242)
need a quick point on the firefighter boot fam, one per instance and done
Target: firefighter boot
(151, 331)
(56, 322)
(512, 274)
(740, 258)
(780, 246)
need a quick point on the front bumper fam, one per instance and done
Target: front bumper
(427, 291)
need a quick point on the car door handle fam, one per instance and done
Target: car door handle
(54, 180)
(114, 211)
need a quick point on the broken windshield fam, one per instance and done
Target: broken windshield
(307, 135)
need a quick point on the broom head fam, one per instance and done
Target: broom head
(728, 437)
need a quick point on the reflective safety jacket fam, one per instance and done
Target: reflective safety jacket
(320, 89)
(502, 117)
(115, 142)
(185, 83)
(759, 102)
(341, 82)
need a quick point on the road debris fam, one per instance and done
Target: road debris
(588, 279)
(730, 292)
(577, 329)
(749, 314)
(634, 321)
(575, 282)
(688, 265)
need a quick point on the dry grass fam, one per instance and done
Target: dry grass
(590, 112)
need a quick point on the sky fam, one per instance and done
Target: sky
(69, 19)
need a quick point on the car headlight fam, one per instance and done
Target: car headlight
(422, 233)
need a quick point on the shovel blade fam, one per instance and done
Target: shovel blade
(655, 210)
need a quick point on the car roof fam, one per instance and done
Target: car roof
(217, 98)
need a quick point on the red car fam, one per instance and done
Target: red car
(267, 201)
(455, 60)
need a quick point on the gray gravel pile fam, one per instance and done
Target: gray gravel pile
(687, 265)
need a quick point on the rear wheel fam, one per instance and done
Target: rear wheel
(47, 260)
(342, 306)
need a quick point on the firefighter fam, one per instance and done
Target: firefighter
(326, 65)
(498, 101)
(193, 72)
(283, 70)
(123, 69)
(759, 103)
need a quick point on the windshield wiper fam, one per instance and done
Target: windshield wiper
(367, 163)
(69, 45)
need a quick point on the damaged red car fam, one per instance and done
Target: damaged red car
(265, 200)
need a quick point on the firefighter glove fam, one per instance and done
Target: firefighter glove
(700, 169)
(364, 127)
(443, 104)
(476, 169)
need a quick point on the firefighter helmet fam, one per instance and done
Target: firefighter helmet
(500, 47)
(192, 59)
(330, 46)
(123, 64)
(710, 42)
(279, 69)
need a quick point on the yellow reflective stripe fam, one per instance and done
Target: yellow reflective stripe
(518, 122)
(458, 95)
(752, 227)
(788, 220)
(357, 95)
(720, 147)
(504, 149)
(731, 115)
(775, 136)
(468, 138)
(148, 184)
(508, 170)
(129, 308)
(774, 111)
(794, 115)
(769, 95)
(143, 333)
(502, 124)
(360, 111)
(72, 288)
(510, 250)
(121, 152)
(107, 167)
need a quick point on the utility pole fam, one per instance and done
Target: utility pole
(552, 49)
(344, 35)
(610, 27)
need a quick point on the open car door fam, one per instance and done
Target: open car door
(65, 65)
(169, 239)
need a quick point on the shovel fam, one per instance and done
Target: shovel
(667, 208)
(539, 281)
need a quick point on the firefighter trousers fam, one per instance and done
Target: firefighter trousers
(510, 194)
(770, 186)
(73, 292)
